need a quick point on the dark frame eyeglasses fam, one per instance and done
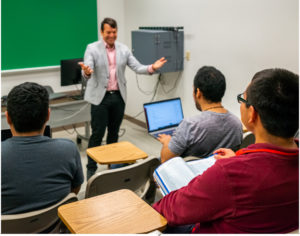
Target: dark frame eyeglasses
(240, 99)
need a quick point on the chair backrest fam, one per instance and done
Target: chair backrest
(294, 232)
(49, 89)
(35, 221)
(136, 177)
(248, 138)
(297, 134)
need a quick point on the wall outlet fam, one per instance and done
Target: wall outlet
(187, 55)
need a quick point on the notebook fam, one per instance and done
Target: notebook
(162, 117)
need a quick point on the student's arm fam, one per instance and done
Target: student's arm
(165, 153)
(207, 197)
(78, 173)
(177, 144)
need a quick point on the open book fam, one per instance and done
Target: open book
(176, 173)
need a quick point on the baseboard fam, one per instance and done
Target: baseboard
(126, 117)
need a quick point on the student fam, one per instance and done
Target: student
(104, 67)
(254, 190)
(36, 171)
(212, 128)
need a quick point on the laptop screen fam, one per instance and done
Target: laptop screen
(163, 114)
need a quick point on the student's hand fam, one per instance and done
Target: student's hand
(223, 153)
(156, 184)
(159, 63)
(86, 69)
(164, 138)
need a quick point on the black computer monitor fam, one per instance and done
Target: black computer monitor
(6, 133)
(70, 72)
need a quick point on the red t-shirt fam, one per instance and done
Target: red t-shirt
(255, 192)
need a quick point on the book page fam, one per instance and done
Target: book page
(173, 175)
(201, 165)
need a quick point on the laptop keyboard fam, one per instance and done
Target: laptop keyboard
(168, 132)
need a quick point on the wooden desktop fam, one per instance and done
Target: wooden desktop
(116, 153)
(118, 212)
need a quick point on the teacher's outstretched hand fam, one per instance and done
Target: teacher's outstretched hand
(159, 63)
(86, 69)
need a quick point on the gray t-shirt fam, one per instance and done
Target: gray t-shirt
(37, 172)
(200, 135)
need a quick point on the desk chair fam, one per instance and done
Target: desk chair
(39, 221)
(294, 232)
(248, 138)
(297, 134)
(137, 177)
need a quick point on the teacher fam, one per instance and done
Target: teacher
(104, 69)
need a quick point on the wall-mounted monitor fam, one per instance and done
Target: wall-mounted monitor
(70, 72)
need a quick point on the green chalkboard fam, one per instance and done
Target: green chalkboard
(38, 33)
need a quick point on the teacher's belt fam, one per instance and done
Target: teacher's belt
(112, 91)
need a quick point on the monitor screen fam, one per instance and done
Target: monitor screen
(70, 72)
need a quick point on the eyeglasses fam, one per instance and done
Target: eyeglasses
(240, 99)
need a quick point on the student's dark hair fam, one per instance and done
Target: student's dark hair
(110, 21)
(27, 106)
(211, 82)
(274, 93)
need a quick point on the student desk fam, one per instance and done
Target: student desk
(64, 112)
(118, 212)
(116, 153)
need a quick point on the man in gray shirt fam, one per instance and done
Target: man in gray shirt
(213, 128)
(36, 171)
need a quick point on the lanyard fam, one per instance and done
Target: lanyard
(243, 151)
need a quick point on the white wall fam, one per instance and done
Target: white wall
(239, 37)
(114, 9)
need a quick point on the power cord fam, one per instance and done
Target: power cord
(159, 79)
(154, 94)
(122, 131)
(64, 128)
(141, 90)
(174, 86)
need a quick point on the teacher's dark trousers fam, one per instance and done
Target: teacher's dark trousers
(109, 113)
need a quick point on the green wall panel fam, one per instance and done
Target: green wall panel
(38, 33)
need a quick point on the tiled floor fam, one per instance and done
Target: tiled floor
(133, 133)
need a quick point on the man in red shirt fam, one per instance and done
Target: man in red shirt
(254, 190)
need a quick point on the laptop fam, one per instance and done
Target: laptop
(162, 117)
